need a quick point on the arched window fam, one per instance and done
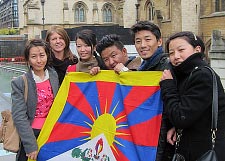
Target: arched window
(219, 5)
(80, 15)
(150, 11)
(107, 13)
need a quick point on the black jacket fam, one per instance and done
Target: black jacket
(61, 66)
(188, 105)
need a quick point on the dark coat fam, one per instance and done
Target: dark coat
(188, 104)
(61, 66)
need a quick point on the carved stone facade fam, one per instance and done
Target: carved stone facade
(217, 55)
(198, 16)
(72, 14)
(172, 16)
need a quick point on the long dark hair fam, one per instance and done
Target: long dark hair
(89, 37)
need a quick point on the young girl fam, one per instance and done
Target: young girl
(42, 81)
(85, 44)
(187, 91)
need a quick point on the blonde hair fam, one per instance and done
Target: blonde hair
(62, 32)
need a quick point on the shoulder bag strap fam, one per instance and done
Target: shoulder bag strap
(25, 87)
(214, 101)
(214, 107)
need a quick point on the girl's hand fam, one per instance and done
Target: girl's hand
(94, 70)
(171, 136)
(166, 75)
(32, 155)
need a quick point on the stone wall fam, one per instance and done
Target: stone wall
(62, 12)
(190, 15)
(217, 55)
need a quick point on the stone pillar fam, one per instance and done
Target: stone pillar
(190, 15)
(217, 55)
(129, 13)
(95, 14)
(65, 12)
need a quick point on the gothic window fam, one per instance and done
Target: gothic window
(150, 11)
(107, 13)
(219, 5)
(80, 15)
(168, 11)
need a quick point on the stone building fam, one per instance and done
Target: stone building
(198, 16)
(217, 55)
(35, 17)
(9, 14)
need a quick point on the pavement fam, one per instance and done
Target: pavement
(5, 101)
(5, 155)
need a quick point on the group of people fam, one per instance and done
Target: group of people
(186, 85)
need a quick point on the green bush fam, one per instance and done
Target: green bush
(11, 31)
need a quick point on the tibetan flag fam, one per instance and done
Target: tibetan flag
(109, 116)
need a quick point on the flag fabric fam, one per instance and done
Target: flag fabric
(107, 117)
(96, 148)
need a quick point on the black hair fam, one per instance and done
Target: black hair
(145, 25)
(190, 37)
(35, 43)
(89, 38)
(108, 41)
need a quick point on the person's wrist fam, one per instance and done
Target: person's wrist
(124, 69)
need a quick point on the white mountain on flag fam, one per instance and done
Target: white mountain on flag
(96, 149)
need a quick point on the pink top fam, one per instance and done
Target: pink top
(45, 100)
